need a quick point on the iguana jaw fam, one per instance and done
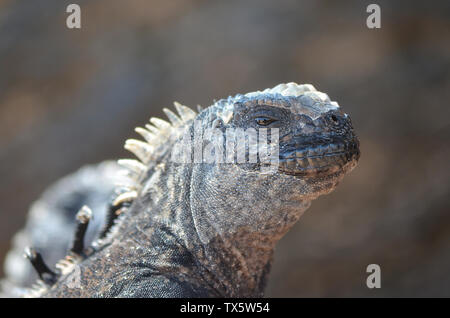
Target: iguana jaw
(320, 160)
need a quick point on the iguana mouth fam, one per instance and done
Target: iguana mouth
(321, 159)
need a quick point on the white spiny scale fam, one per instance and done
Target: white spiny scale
(199, 108)
(174, 119)
(133, 165)
(160, 123)
(148, 136)
(156, 133)
(152, 129)
(124, 197)
(141, 149)
(127, 180)
(185, 112)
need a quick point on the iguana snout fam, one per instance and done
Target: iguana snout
(319, 147)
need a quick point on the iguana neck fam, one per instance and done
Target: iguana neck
(230, 264)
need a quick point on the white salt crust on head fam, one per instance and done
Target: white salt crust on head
(312, 102)
(294, 90)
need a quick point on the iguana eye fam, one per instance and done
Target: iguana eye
(264, 121)
(334, 120)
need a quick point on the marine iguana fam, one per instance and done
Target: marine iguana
(196, 228)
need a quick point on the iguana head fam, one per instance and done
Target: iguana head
(314, 136)
(310, 137)
(310, 146)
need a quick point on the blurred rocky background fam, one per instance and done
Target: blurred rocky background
(71, 97)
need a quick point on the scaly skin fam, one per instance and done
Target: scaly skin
(209, 229)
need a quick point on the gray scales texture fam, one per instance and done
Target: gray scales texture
(187, 229)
